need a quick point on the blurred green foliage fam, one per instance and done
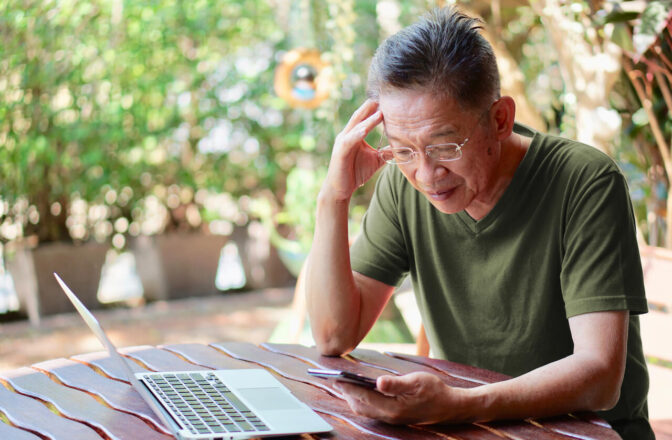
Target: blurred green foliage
(110, 109)
(107, 97)
(643, 98)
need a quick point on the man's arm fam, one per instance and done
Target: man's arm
(342, 304)
(587, 380)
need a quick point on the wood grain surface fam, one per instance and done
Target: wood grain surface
(88, 397)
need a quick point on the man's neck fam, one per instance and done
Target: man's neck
(513, 152)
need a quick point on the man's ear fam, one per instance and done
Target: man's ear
(503, 115)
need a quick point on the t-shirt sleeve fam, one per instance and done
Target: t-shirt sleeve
(379, 251)
(601, 267)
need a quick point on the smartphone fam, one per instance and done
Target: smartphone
(344, 376)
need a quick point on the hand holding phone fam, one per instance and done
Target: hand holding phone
(344, 376)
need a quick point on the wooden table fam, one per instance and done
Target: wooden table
(85, 398)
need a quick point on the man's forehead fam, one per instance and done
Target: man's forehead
(426, 117)
(399, 133)
(394, 94)
(414, 107)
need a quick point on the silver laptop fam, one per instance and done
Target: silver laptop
(214, 404)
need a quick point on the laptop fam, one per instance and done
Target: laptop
(214, 404)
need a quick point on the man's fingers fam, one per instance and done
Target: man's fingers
(373, 120)
(353, 160)
(395, 385)
(411, 398)
(362, 398)
(373, 404)
(358, 132)
(363, 112)
(348, 143)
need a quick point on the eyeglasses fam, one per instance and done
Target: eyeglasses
(438, 152)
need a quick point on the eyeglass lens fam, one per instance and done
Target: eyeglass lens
(403, 155)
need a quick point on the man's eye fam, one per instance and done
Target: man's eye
(441, 149)
(402, 153)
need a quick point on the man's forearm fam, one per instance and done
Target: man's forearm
(334, 300)
(332, 296)
(575, 383)
(589, 379)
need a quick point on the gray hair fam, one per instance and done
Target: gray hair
(443, 53)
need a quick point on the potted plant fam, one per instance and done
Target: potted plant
(73, 153)
(177, 255)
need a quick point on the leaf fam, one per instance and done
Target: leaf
(621, 36)
(651, 24)
(618, 16)
(640, 118)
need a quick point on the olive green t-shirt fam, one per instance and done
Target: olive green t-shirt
(496, 293)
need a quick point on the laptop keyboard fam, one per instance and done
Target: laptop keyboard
(204, 404)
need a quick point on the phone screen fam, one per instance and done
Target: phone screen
(344, 376)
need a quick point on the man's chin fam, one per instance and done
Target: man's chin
(446, 206)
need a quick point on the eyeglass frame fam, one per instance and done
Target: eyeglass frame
(429, 148)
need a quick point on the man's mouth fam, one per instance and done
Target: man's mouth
(440, 196)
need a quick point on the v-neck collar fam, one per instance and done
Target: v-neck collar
(508, 198)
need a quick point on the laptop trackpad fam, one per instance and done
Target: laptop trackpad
(264, 399)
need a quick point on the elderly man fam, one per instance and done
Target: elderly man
(520, 245)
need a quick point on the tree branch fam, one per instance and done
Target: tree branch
(636, 78)
(665, 90)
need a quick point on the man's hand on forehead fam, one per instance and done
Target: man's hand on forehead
(353, 160)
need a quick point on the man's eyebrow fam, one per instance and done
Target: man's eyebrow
(447, 131)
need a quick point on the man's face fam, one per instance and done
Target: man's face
(417, 119)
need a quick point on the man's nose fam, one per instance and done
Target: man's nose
(428, 170)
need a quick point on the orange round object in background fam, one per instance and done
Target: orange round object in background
(302, 78)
